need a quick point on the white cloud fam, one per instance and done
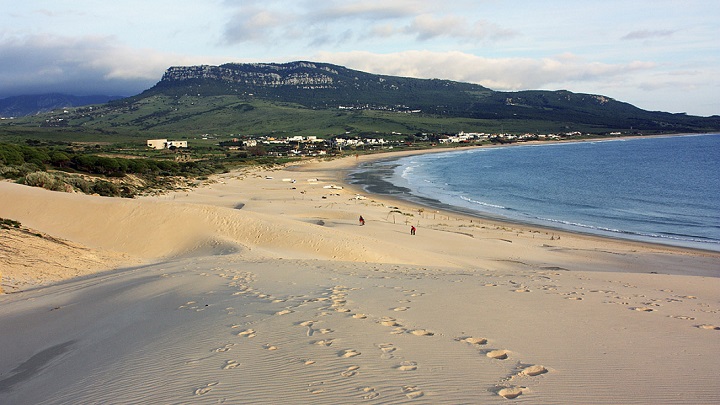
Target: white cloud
(337, 22)
(648, 34)
(427, 26)
(370, 10)
(86, 65)
(254, 25)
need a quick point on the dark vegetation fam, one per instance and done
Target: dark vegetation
(63, 167)
(9, 223)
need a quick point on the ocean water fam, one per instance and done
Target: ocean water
(656, 189)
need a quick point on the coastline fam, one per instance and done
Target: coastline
(371, 182)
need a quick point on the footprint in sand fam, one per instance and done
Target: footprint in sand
(351, 371)
(708, 327)
(248, 333)
(225, 348)
(324, 342)
(533, 371)
(206, 388)
(400, 309)
(643, 309)
(307, 362)
(387, 350)
(511, 392)
(422, 332)
(359, 316)
(349, 353)
(683, 317)
(387, 321)
(473, 340)
(284, 312)
(268, 346)
(407, 366)
(230, 364)
(369, 392)
(498, 354)
(412, 391)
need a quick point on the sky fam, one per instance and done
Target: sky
(660, 55)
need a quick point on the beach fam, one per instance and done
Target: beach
(261, 286)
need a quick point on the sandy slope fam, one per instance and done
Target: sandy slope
(259, 290)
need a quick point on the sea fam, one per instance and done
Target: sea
(662, 189)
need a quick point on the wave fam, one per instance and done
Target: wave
(484, 204)
(669, 236)
(407, 171)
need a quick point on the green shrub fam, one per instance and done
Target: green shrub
(44, 180)
(105, 188)
(79, 183)
(9, 172)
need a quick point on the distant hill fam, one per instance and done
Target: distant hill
(323, 86)
(21, 106)
(308, 98)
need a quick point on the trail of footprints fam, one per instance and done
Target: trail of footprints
(505, 388)
(335, 301)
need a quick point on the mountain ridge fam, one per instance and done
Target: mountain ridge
(323, 85)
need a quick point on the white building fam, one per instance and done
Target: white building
(177, 144)
(165, 144)
(156, 143)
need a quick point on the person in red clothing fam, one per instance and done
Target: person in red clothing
(362, 220)
(412, 230)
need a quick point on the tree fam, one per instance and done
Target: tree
(257, 150)
(59, 159)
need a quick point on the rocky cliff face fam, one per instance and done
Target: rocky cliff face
(303, 74)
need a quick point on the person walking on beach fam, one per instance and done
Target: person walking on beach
(362, 220)
(412, 230)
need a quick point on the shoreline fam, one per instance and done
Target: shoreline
(368, 183)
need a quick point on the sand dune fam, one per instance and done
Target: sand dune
(259, 290)
(159, 229)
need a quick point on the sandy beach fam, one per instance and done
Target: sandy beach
(262, 287)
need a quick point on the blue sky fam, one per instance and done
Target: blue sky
(658, 54)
